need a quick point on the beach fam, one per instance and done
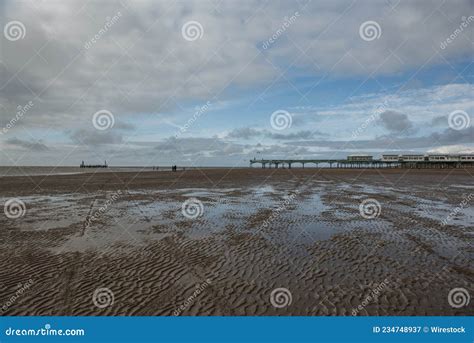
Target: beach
(238, 242)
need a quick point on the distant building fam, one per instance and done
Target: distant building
(450, 157)
(360, 158)
(390, 158)
(467, 157)
(428, 158)
(412, 158)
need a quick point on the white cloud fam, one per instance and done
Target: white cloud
(452, 149)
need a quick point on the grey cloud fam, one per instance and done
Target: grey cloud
(395, 122)
(192, 146)
(92, 136)
(96, 137)
(248, 132)
(439, 121)
(245, 132)
(447, 137)
(280, 151)
(304, 134)
(32, 146)
(124, 125)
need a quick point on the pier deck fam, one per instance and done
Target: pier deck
(335, 163)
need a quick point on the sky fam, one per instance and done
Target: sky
(217, 83)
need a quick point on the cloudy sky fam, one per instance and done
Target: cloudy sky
(219, 82)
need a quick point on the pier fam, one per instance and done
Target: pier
(83, 165)
(362, 164)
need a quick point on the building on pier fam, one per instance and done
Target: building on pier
(360, 158)
(390, 158)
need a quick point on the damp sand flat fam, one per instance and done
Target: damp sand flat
(245, 233)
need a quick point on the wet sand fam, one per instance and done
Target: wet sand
(255, 231)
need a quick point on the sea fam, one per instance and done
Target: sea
(32, 171)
